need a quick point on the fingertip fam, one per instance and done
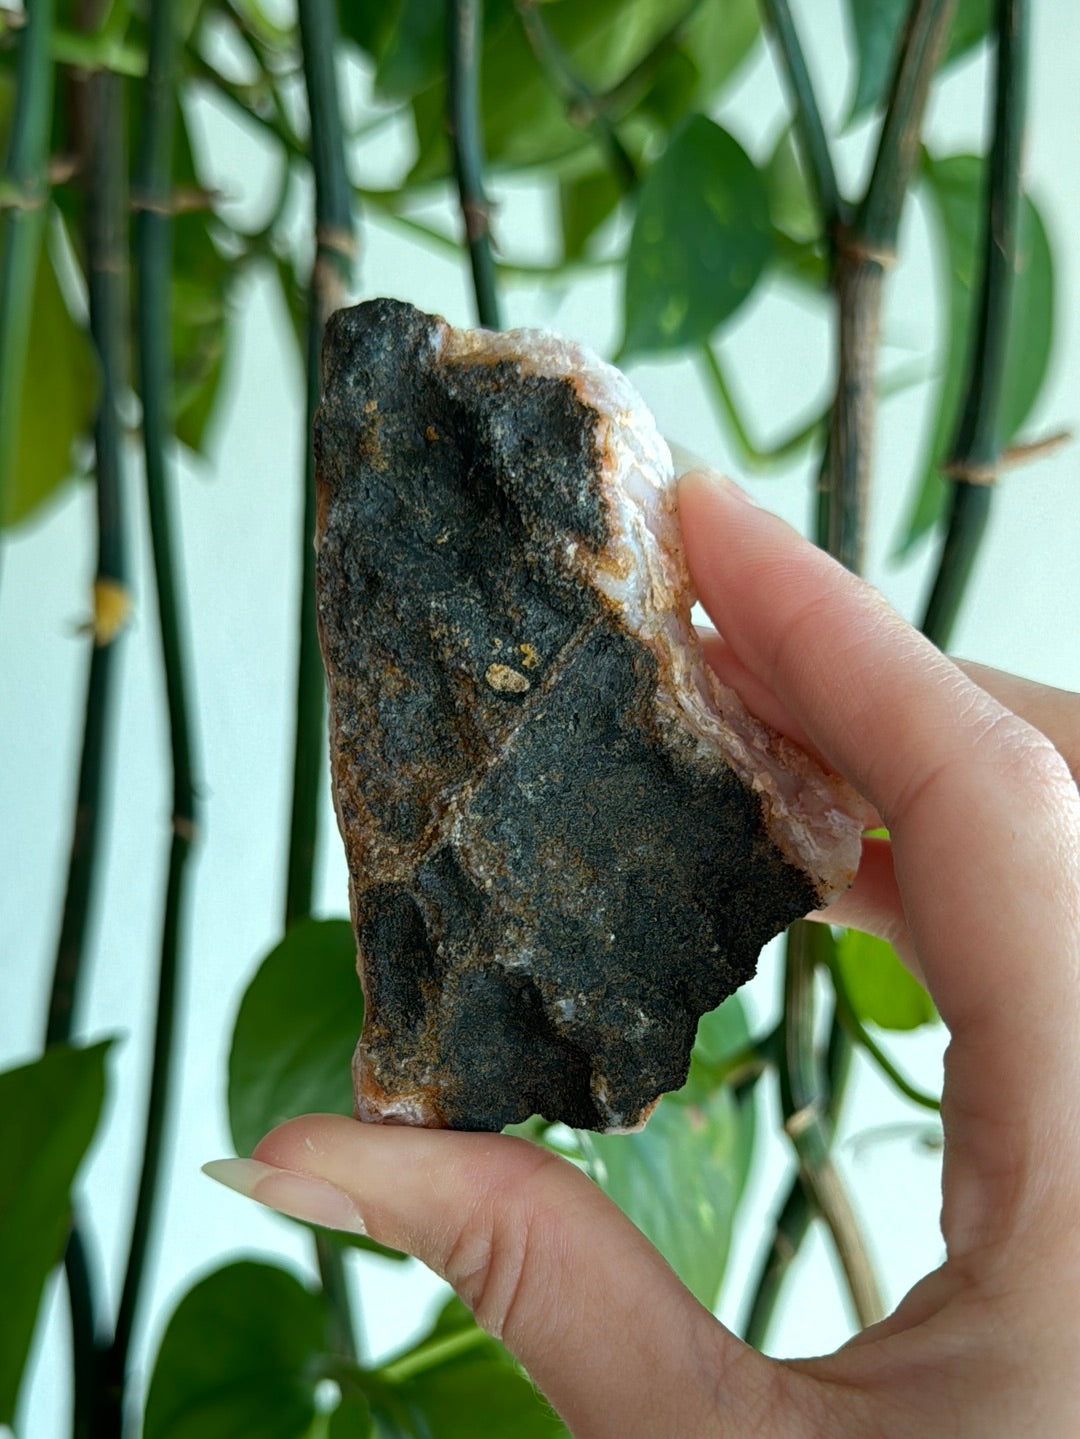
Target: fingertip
(710, 485)
(305, 1138)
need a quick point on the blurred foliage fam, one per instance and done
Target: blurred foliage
(51, 1109)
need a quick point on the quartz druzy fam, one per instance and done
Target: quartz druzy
(566, 841)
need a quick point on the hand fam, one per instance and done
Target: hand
(981, 885)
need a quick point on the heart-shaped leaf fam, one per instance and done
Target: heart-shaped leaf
(701, 240)
(50, 1110)
(295, 1032)
(457, 1383)
(238, 1358)
(875, 28)
(680, 1179)
(879, 988)
(955, 185)
(59, 393)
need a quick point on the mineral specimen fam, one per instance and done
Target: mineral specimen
(566, 840)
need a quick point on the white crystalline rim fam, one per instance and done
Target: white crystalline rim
(809, 814)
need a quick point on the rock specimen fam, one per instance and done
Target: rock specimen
(566, 841)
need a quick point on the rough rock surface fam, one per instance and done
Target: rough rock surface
(565, 840)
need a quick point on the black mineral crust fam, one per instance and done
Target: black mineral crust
(549, 885)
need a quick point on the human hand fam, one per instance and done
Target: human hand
(981, 883)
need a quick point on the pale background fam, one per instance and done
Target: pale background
(238, 517)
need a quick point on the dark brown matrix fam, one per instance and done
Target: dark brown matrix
(549, 886)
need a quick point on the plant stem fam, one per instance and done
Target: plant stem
(808, 122)
(86, 1372)
(504, 269)
(101, 128)
(751, 454)
(860, 1034)
(796, 1212)
(334, 251)
(864, 250)
(107, 289)
(583, 109)
(802, 1093)
(434, 1352)
(152, 200)
(22, 222)
(464, 22)
(975, 457)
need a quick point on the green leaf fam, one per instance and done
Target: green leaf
(50, 1111)
(585, 202)
(791, 205)
(238, 1359)
(700, 242)
(295, 1032)
(456, 1383)
(681, 1178)
(59, 397)
(525, 121)
(472, 1395)
(350, 1420)
(880, 989)
(875, 28)
(414, 53)
(369, 23)
(294, 1038)
(718, 37)
(672, 89)
(955, 186)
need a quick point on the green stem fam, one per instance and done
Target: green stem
(796, 1212)
(583, 109)
(877, 222)
(101, 127)
(152, 200)
(504, 269)
(334, 251)
(464, 33)
(975, 457)
(86, 1371)
(864, 250)
(789, 1232)
(22, 222)
(104, 160)
(803, 1096)
(435, 1351)
(751, 454)
(861, 1035)
(813, 141)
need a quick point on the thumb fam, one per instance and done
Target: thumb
(541, 1256)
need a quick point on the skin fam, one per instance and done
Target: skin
(980, 888)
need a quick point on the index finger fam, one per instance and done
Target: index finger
(984, 819)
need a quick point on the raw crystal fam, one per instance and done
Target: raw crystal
(566, 840)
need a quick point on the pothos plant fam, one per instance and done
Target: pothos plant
(119, 268)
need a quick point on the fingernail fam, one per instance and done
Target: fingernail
(710, 479)
(300, 1196)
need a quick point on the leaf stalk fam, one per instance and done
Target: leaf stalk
(975, 458)
(335, 248)
(464, 36)
(152, 196)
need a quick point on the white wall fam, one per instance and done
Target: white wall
(238, 518)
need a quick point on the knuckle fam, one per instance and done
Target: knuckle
(494, 1259)
(1023, 755)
